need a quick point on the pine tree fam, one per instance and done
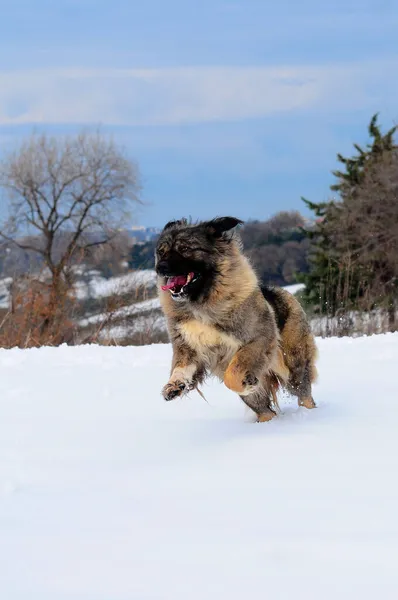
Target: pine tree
(336, 280)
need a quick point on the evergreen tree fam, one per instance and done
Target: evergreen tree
(337, 280)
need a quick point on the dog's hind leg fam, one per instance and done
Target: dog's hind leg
(307, 402)
(263, 402)
(299, 385)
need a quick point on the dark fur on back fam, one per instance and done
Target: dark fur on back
(280, 308)
(222, 322)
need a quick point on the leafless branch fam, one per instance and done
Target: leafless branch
(67, 190)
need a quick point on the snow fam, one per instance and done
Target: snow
(143, 317)
(99, 287)
(109, 493)
(148, 325)
(93, 285)
(126, 311)
(294, 288)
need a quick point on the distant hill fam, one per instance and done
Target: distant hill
(278, 247)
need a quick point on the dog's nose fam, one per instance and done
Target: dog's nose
(162, 267)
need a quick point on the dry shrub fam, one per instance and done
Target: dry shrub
(36, 317)
(124, 321)
(149, 329)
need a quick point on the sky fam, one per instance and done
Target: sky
(228, 106)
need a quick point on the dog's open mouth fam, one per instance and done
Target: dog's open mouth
(177, 284)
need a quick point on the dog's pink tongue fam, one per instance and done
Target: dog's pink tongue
(173, 281)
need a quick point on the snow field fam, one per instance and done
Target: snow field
(109, 493)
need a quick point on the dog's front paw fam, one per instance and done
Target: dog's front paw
(174, 389)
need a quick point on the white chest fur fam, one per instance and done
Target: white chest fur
(214, 347)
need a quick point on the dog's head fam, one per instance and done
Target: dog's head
(189, 256)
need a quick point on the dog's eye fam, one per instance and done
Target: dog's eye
(161, 249)
(183, 248)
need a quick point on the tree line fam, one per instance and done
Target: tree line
(68, 201)
(353, 251)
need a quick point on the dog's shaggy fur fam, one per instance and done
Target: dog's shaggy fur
(222, 322)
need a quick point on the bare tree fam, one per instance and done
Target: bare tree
(111, 258)
(65, 196)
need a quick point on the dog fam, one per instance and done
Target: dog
(222, 322)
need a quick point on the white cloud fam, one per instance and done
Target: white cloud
(182, 95)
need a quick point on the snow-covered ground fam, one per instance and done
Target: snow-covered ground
(93, 285)
(99, 287)
(126, 311)
(294, 288)
(109, 493)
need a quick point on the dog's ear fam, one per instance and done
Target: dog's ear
(222, 224)
(178, 223)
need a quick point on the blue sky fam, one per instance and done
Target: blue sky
(229, 106)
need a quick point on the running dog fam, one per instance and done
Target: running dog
(223, 322)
